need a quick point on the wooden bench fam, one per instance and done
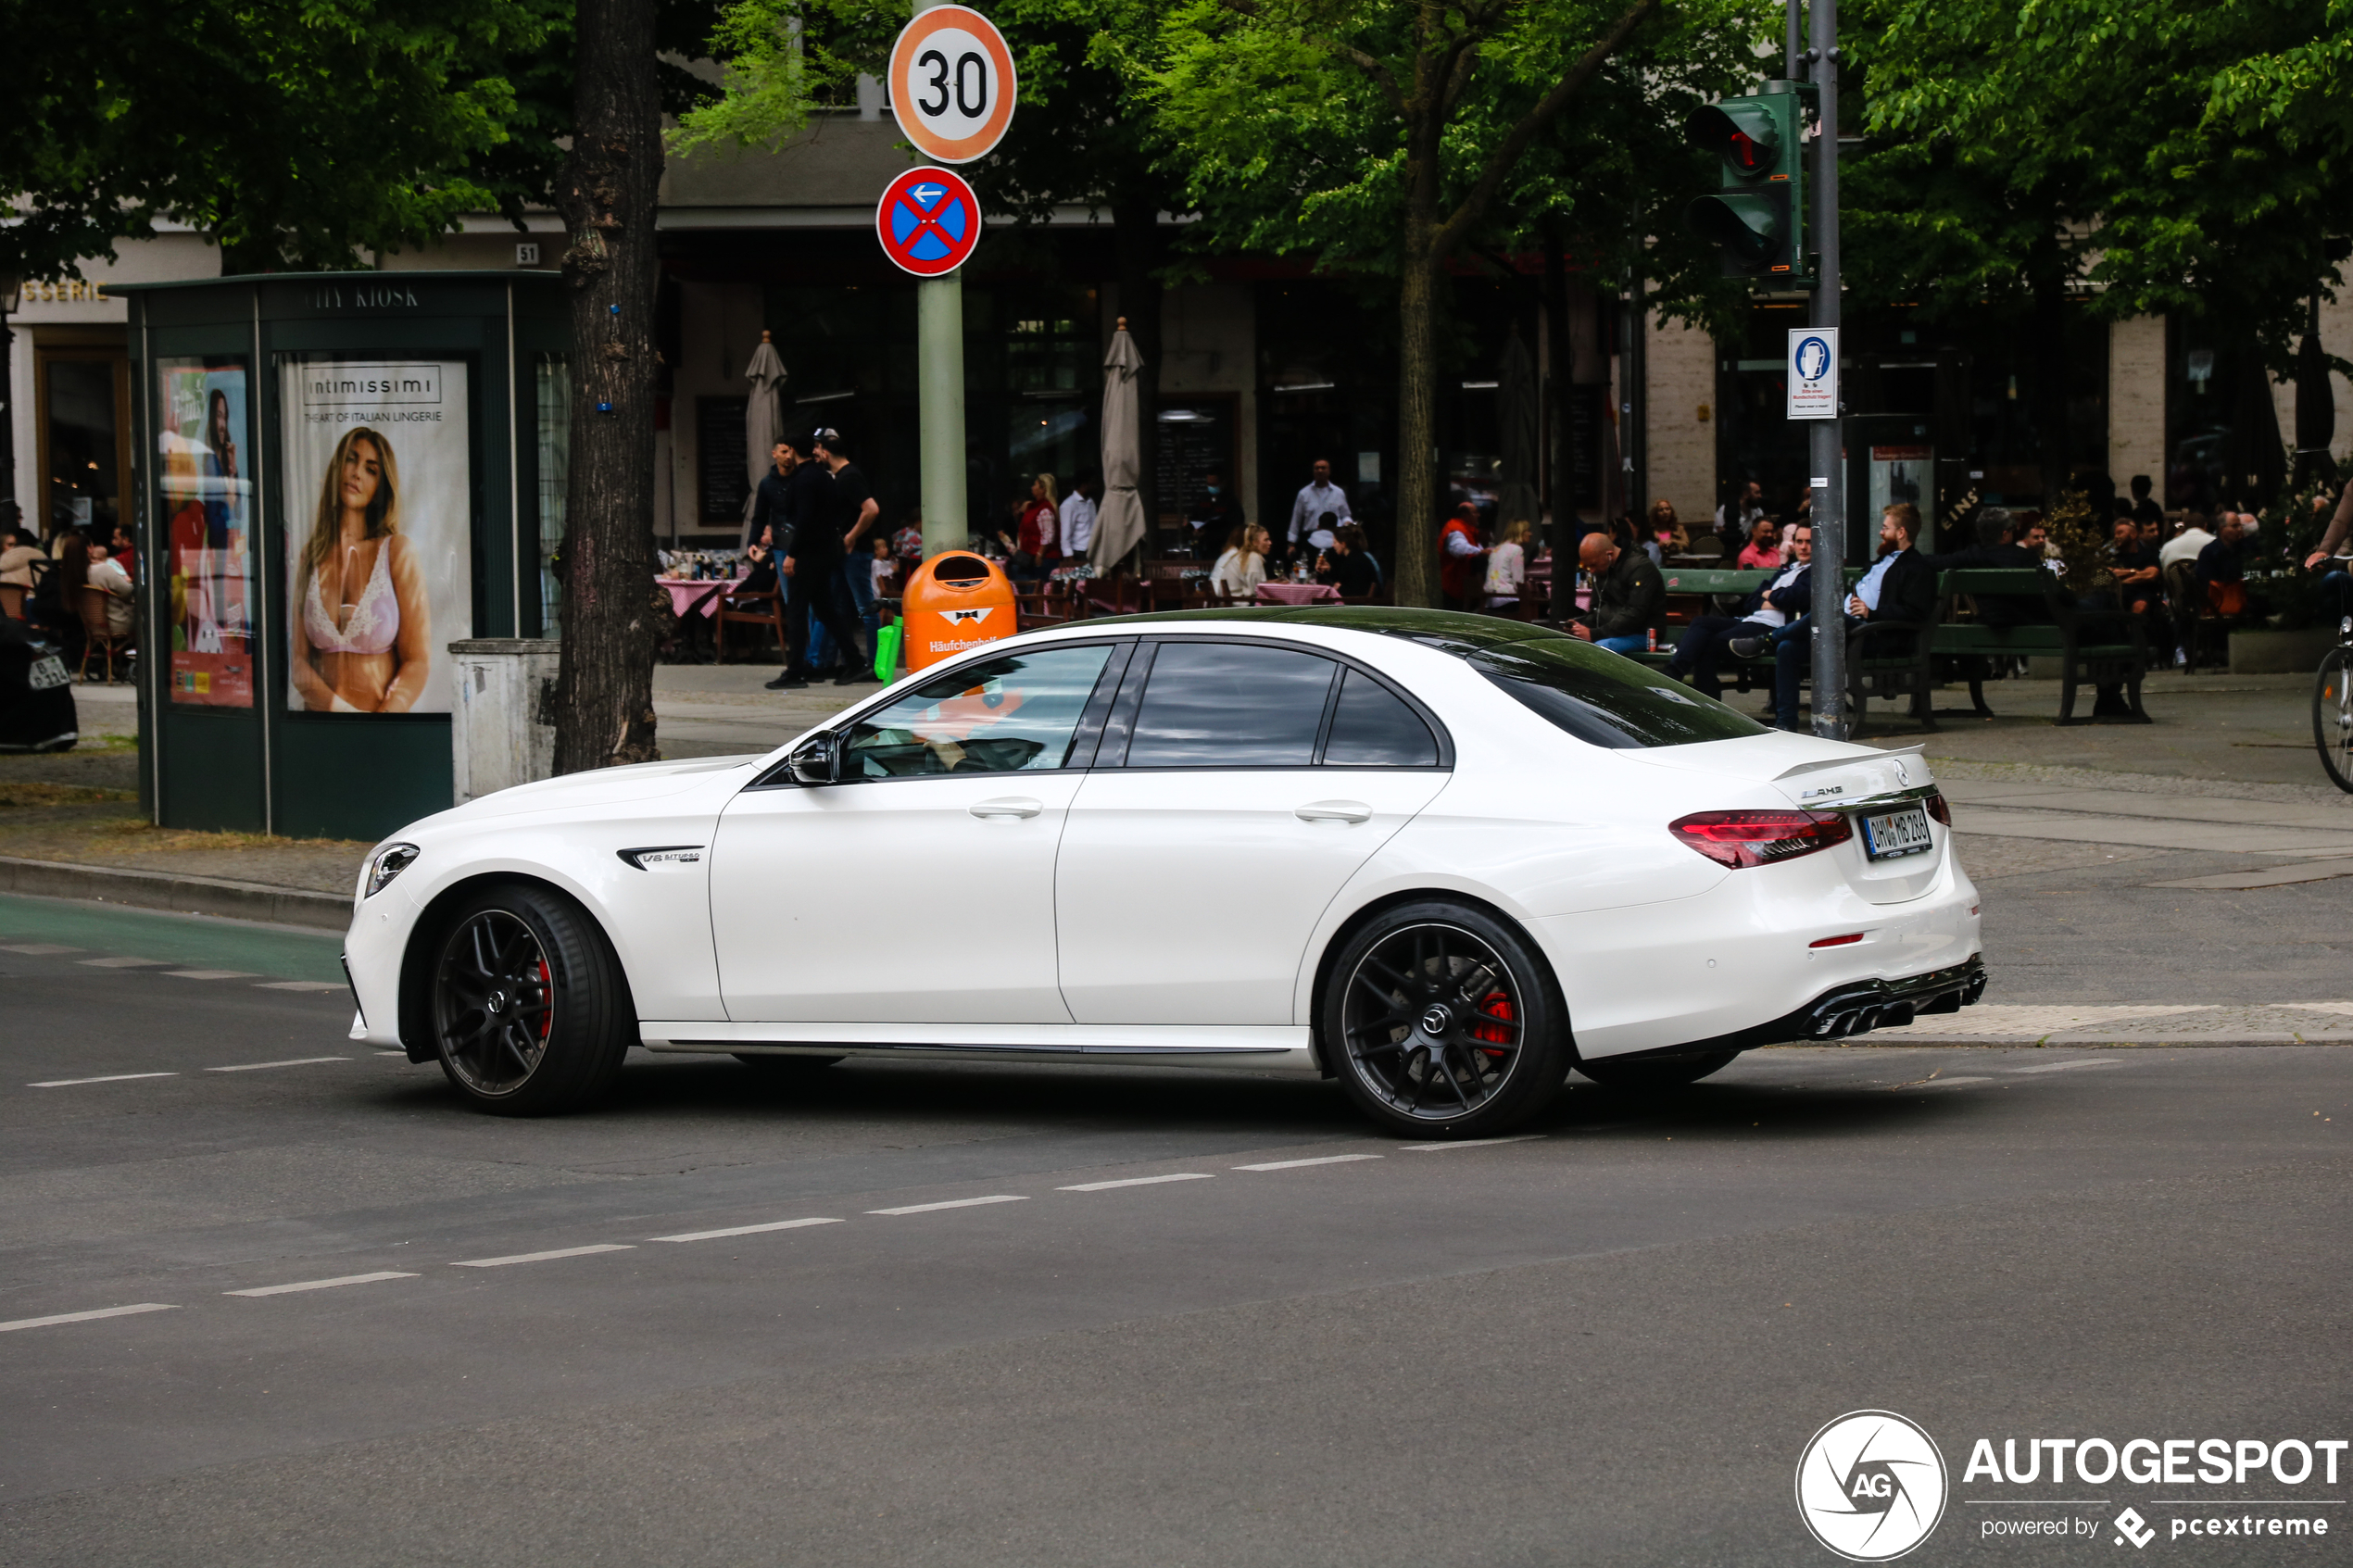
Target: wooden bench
(2102, 648)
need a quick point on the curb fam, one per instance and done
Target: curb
(175, 891)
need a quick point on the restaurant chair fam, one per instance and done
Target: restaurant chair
(96, 639)
(753, 606)
(11, 601)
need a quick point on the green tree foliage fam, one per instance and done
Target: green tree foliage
(1393, 136)
(294, 133)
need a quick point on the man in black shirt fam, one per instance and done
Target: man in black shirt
(769, 505)
(812, 561)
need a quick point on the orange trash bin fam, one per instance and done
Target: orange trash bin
(956, 600)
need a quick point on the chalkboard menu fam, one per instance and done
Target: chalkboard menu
(718, 450)
(1586, 414)
(1196, 439)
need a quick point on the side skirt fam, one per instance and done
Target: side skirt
(1270, 1049)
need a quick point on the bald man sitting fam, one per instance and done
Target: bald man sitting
(1628, 591)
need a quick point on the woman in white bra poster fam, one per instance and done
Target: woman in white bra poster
(364, 616)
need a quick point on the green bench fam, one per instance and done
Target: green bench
(2097, 647)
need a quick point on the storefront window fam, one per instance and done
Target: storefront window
(84, 450)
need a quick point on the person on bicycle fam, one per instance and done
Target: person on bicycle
(2336, 587)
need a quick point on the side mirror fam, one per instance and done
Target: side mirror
(816, 760)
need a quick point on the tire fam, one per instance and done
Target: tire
(1666, 1072)
(530, 1011)
(777, 1066)
(1441, 1019)
(2332, 716)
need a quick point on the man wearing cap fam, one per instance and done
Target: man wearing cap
(811, 569)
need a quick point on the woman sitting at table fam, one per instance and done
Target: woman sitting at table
(1667, 529)
(1507, 569)
(1349, 565)
(1763, 552)
(1243, 566)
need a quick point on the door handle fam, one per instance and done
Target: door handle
(1350, 811)
(1005, 806)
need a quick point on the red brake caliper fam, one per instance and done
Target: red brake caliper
(547, 998)
(1496, 1004)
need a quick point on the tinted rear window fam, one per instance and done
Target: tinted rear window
(1230, 704)
(1372, 729)
(1598, 697)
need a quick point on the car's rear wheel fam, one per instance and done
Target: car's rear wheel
(1658, 1073)
(1440, 1019)
(531, 1013)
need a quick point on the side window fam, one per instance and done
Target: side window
(998, 717)
(1230, 704)
(1373, 728)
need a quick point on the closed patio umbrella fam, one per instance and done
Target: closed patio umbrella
(1119, 526)
(763, 415)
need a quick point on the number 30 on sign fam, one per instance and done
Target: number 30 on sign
(952, 82)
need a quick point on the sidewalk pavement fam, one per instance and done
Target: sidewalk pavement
(2174, 882)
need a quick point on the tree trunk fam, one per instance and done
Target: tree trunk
(1136, 232)
(604, 685)
(1418, 498)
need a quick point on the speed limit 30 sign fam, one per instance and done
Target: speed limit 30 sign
(951, 84)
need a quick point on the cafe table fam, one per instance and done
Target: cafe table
(685, 591)
(1297, 594)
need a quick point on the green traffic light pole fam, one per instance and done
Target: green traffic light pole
(1827, 441)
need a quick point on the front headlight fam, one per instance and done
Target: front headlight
(386, 864)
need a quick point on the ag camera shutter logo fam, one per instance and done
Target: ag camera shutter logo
(1871, 1485)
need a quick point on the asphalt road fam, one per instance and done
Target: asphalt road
(936, 1334)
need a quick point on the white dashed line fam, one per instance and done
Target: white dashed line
(952, 1203)
(109, 1078)
(209, 973)
(745, 1229)
(319, 1283)
(1295, 1164)
(300, 985)
(85, 1317)
(43, 950)
(1945, 1083)
(1471, 1143)
(2063, 1066)
(123, 964)
(298, 1062)
(1139, 1182)
(543, 1257)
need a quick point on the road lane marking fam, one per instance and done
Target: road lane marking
(1139, 1182)
(1472, 1143)
(209, 973)
(85, 1317)
(300, 985)
(1944, 1083)
(319, 1283)
(109, 1078)
(123, 964)
(543, 1257)
(2063, 1066)
(952, 1203)
(745, 1229)
(36, 949)
(298, 1062)
(1295, 1164)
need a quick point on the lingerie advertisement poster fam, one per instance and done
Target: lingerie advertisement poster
(203, 409)
(379, 532)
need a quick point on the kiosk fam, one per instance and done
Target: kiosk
(341, 474)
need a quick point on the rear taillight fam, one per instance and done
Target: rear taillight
(1937, 809)
(1760, 838)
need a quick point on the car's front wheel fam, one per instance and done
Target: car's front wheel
(531, 1013)
(1438, 1018)
(1657, 1073)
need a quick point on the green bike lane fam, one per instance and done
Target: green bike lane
(100, 931)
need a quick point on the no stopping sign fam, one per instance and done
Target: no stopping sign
(928, 222)
(952, 83)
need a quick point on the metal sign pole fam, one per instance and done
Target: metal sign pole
(939, 376)
(1827, 438)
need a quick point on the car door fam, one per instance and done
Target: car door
(921, 887)
(1238, 785)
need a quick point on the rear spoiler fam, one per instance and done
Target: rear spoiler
(1914, 749)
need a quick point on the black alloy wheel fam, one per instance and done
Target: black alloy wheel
(2332, 716)
(1655, 1073)
(1439, 1018)
(530, 1011)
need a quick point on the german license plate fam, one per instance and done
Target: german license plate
(1896, 834)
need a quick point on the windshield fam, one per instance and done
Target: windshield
(1598, 696)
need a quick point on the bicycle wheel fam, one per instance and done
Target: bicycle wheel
(2332, 716)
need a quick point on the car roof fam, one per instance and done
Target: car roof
(1452, 630)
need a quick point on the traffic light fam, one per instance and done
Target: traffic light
(1757, 215)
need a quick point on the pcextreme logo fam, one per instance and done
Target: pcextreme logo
(1870, 1485)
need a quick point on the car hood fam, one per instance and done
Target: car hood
(604, 787)
(1805, 770)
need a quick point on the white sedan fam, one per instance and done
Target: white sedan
(1442, 859)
